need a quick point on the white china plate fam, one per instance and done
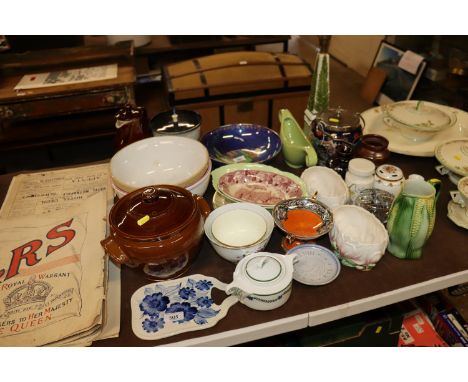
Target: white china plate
(453, 154)
(457, 214)
(314, 264)
(374, 124)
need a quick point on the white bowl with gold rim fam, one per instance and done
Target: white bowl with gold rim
(256, 242)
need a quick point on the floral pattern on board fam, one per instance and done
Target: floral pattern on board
(176, 303)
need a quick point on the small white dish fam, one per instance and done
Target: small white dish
(314, 264)
(238, 228)
(457, 214)
(327, 185)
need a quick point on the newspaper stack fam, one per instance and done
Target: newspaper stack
(57, 287)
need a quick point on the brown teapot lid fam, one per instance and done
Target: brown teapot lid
(152, 212)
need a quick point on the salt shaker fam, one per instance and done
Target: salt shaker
(360, 175)
(389, 178)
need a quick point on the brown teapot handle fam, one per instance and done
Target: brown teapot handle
(115, 252)
(203, 206)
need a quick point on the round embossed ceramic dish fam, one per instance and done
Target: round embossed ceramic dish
(374, 124)
(257, 183)
(314, 264)
(453, 154)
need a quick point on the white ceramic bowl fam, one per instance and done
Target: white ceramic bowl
(233, 253)
(327, 184)
(198, 188)
(238, 228)
(358, 237)
(177, 161)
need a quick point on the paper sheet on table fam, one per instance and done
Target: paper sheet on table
(67, 77)
(44, 192)
(52, 274)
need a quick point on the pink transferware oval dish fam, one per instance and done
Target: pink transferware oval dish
(257, 183)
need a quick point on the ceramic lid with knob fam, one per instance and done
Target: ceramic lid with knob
(361, 167)
(175, 122)
(263, 273)
(153, 211)
(389, 173)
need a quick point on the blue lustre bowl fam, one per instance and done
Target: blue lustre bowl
(242, 143)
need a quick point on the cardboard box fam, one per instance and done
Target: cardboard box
(417, 330)
(448, 322)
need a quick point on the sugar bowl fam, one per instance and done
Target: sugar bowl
(263, 280)
(389, 178)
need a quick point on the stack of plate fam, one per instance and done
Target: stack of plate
(177, 161)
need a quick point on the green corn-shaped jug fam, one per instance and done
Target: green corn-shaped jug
(412, 216)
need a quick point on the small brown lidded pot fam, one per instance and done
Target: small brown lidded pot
(159, 228)
(373, 147)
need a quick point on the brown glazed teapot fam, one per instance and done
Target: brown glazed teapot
(159, 228)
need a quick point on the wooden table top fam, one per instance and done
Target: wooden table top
(444, 263)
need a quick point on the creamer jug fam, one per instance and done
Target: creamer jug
(412, 216)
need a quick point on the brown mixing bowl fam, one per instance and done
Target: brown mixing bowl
(159, 228)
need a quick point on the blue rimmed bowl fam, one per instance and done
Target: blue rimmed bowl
(242, 143)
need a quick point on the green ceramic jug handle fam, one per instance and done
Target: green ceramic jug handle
(437, 184)
(311, 156)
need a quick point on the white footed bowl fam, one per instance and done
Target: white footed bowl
(358, 237)
(177, 161)
(236, 253)
(329, 186)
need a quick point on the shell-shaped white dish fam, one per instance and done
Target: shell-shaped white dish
(327, 185)
(358, 237)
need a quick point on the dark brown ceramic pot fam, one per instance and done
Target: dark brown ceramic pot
(373, 147)
(159, 228)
